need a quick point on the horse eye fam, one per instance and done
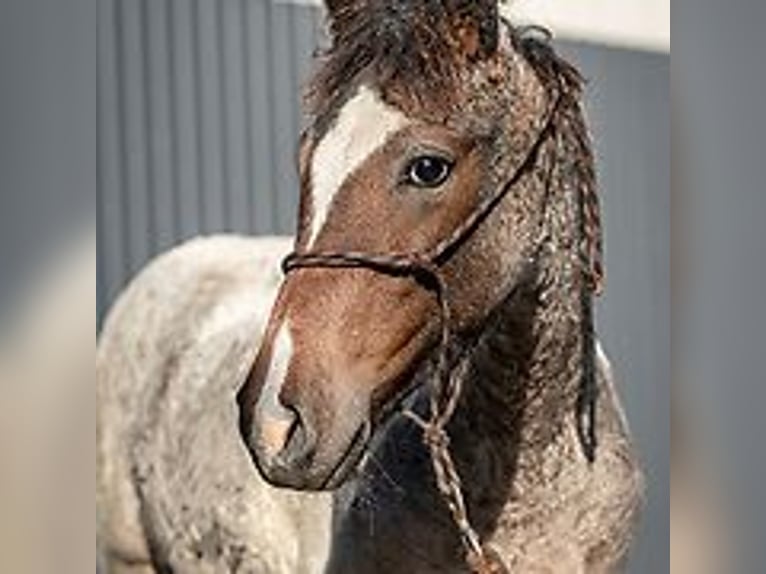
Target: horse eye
(429, 171)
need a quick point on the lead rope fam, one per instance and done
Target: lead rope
(445, 389)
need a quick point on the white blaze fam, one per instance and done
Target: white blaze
(363, 125)
(277, 419)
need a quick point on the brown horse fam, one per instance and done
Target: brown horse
(447, 255)
(448, 161)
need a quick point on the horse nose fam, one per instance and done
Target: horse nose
(282, 436)
(297, 443)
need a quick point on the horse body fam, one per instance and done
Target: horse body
(175, 487)
(177, 492)
(447, 254)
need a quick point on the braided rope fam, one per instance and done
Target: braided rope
(445, 389)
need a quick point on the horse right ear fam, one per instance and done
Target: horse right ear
(476, 25)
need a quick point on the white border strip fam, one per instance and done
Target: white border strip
(639, 24)
(636, 24)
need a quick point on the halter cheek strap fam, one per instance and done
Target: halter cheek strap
(445, 393)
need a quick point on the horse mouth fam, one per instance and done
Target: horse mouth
(349, 461)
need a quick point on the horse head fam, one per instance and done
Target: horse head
(439, 133)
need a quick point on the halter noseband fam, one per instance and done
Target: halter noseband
(424, 268)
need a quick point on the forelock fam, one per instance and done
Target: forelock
(416, 47)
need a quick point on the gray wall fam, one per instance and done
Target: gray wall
(719, 345)
(47, 134)
(198, 113)
(198, 109)
(629, 109)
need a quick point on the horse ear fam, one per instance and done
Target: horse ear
(472, 25)
(475, 24)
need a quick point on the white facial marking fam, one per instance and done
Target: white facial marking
(364, 124)
(276, 420)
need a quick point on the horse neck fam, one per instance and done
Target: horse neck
(520, 380)
(520, 389)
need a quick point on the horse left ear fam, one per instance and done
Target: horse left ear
(476, 26)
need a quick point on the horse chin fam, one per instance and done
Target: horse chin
(350, 461)
(323, 472)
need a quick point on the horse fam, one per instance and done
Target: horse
(420, 389)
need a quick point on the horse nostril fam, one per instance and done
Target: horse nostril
(273, 427)
(298, 444)
(282, 435)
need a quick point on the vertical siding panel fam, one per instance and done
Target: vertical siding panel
(232, 65)
(247, 115)
(184, 104)
(283, 87)
(151, 191)
(260, 120)
(136, 177)
(199, 114)
(304, 41)
(111, 250)
(159, 125)
(210, 143)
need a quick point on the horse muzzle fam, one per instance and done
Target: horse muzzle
(291, 449)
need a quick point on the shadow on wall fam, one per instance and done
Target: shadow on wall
(47, 416)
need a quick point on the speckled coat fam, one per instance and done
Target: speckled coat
(176, 490)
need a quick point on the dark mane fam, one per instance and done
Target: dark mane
(414, 44)
(410, 44)
(562, 80)
(535, 44)
(577, 178)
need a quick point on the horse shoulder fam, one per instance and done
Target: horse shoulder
(617, 485)
(568, 516)
(174, 482)
(612, 488)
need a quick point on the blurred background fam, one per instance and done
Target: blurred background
(199, 115)
(47, 285)
(173, 118)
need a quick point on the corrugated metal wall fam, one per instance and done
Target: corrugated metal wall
(198, 116)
